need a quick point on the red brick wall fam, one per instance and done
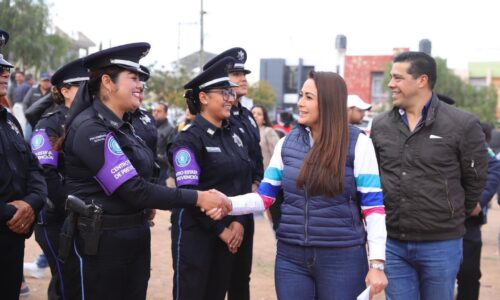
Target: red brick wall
(357, 73)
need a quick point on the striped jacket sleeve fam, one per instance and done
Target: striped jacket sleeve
(369, 189)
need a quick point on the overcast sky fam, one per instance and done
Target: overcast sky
(461, 31)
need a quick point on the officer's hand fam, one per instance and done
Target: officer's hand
(476, 211)
(238, 231)
(23, 219)
(208, 200)
(227, 236)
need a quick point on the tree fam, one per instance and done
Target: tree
(263, 94)
(481, 101)
(168, 86)
(30, 45)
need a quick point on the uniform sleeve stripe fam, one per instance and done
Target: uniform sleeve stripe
(273, 174)
(374, 210)
(371, 199)
(368, 180)
(268, 190)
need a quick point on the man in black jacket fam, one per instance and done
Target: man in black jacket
(433, 163)
(166, 134)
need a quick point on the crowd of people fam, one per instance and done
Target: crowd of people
(85, 167)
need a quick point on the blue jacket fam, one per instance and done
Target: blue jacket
(318, 221)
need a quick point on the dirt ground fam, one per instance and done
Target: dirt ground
(262, 284)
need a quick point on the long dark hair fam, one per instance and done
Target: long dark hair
(267, 121)
(323, 170)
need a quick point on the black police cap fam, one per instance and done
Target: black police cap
(213, 77)
(4, 38)
(71, 73)
(240, 56)
(143, 77)
(124, 56)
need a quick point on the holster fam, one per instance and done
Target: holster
(90, 231)
(66, 236)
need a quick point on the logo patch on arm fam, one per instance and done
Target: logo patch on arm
(117, 168)
(42, 148)
(187, 171)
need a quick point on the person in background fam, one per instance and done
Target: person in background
(356, 109)
(22, 87)
(38, 91)
(328, 172)
(188, 119)
(470, 269)
(166, 134)
(284, 124)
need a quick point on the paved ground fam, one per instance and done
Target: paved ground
(262, 285)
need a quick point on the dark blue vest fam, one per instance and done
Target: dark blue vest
(318, 221)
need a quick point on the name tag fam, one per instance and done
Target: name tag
(213, 149)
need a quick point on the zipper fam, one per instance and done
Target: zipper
(450, 205)
(306, 219)
(472, 165)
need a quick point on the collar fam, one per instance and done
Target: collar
(3, 112)
(425, 110)
(107, 115)
(208, 127)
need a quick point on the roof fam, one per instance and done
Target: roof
(192, 60)
(484, 69)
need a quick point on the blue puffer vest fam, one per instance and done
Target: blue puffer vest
(318, 221)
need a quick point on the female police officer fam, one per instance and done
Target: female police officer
(208, 154)
(109, 167)
(45, 144)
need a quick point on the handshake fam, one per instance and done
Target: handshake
(214, 204)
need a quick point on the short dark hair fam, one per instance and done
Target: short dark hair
(163, 105)
(267, 121)
(420, 64)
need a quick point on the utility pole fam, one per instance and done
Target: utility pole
(202, 53)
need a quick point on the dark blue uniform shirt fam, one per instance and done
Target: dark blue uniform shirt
(107, 163)
(20, 173)
(207, 157)
(48, 131)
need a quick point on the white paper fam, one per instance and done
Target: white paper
(365, 295)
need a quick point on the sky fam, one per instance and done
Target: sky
(460, 31)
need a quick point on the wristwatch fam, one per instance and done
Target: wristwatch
(378, 266)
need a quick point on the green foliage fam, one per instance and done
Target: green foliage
(481, 101)
(30, 45)
(168, 86)
(263, 94)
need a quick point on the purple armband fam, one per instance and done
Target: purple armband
(42, 148)
(117, 168)
(187, 171)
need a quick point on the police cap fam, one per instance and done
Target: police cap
(124, 56)
(214, 76)
(4, 38)
(240, 57)
(71, 73)
(144, 76)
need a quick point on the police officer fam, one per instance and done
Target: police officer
(22, 191)
(243, 120)
(109, 168)
(46, 144)
(208, 154)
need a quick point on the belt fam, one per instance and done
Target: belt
(122, 221)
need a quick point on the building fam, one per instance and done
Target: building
(286, 80)
(364, 75)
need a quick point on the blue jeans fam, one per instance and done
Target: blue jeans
(422, 270)
(320, 273)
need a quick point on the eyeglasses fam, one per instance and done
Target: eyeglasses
(226, 93)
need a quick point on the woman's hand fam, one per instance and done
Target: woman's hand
(377, 280)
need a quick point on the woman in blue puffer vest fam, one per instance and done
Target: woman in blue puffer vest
(329, 175)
